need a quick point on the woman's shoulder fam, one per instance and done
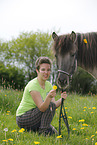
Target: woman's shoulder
(32, 82)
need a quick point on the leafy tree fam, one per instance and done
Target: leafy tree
(11, 77)
(24, 51)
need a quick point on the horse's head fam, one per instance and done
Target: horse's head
(65, 50)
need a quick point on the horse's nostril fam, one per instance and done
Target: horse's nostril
(62, 81)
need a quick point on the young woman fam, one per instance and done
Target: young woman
(38, 105)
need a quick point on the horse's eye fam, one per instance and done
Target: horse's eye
(55, 55)
(72, 55)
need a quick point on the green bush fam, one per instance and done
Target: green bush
(11, 77)
(83, 82)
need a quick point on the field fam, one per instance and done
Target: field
(81, 113)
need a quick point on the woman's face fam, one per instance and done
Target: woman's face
(44, 71)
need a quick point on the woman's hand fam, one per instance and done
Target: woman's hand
(52, 94)
(64, 95)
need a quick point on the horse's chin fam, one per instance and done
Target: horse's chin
(64, 85)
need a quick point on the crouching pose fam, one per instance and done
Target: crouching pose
(38, 105)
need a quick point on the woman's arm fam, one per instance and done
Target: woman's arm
(39, 102)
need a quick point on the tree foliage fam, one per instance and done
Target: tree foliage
(24, 51)
(11, 77)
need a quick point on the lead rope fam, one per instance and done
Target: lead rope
(64, 116)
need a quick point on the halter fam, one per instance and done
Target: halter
(64, 72)
(73, 68)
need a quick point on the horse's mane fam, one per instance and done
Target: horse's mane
(87, 49)
(61, 42)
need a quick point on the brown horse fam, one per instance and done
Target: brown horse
(72, 49)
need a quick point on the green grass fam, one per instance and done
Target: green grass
(79, 108)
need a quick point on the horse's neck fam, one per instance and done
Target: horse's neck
(91, 71)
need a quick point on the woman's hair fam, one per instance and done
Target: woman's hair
(41, 60)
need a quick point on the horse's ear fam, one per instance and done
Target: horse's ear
(73, 36)
(54, 35)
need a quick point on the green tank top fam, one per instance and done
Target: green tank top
(27, 102)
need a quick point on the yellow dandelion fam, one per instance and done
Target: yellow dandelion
(14, 130)
(10, 139)
(70, 117)
(95, 143)
(85, 40)
(85, 107)
(92, 136)
(21, 130)
(82, 120)
(8, 111)
(74, 129)
(82, 128)
(85, 124)
(92, 112)
(84, 110)
(96, 132)
(55, 87)
(89, 108)
(65, 107)
(60, 136)
(4, 140)
(93, 107)
(36, 142)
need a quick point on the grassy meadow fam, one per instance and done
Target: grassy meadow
(81, 113)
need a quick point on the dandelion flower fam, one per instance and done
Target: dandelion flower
(70, 117)
(10, 139)
(85, 124)
(55, 87)
(36, 142)
(92, 136)
(82, 120)
(13, 130)
(74, 129)
(4, 140)
(92, 112)
(82, 128)
(60, 136)
(21, 130)
(8, 111)
(96, 132)
(95, 143)
(93, 107)
(85, 107)
(85, 40)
